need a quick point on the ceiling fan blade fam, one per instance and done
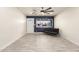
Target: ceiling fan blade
(49, 8)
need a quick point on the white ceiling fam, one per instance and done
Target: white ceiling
(29, 10)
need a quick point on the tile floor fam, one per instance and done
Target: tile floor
(41, 43)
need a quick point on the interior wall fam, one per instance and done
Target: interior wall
(12, 25)
(68, 24)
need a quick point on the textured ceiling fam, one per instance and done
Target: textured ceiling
(29, 10)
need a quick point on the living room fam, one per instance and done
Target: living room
(37, 29)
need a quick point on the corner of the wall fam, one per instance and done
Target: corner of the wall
(11, 43)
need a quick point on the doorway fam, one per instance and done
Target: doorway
(30, 25)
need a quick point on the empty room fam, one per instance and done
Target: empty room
(39, 29)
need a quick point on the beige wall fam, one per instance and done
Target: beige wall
(12, 26)
(68, 23)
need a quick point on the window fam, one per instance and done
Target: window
(43, 23)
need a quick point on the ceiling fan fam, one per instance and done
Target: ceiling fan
(44, 10)
(49, 9)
